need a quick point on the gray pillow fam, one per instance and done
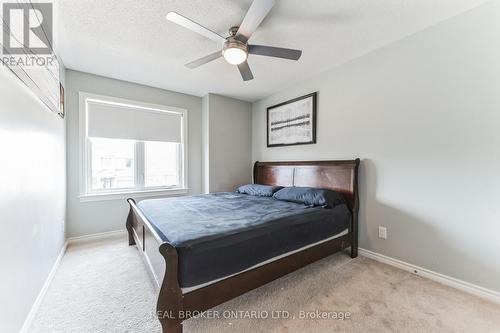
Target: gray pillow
(258, 190)
(310, 196)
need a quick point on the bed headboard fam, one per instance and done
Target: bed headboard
(341, 176)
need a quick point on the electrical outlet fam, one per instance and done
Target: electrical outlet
(382, 232)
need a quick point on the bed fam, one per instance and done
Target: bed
(207, 249)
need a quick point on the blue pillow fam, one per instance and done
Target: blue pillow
(258, 190)
(310, 196)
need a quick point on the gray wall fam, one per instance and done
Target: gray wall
(32, 197)
(424, 115)
(228, 143)
(100, 216)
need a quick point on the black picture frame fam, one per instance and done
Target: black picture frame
(314, 97)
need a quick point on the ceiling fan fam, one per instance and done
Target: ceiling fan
(235, 47)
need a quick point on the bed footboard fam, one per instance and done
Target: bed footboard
(169, 304)
(161, 259)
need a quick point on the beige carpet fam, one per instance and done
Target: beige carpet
(99, 288)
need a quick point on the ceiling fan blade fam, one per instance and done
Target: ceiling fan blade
(245, 71)
(195, 27)
(206, 59)
(277, 52)
(256, 13)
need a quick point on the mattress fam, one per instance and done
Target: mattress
(217, 235)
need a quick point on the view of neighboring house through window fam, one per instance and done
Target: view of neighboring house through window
(112, 164)
(131, 147)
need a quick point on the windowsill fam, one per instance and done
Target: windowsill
(131, 194)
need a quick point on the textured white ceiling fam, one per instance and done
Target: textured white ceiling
(131, 39)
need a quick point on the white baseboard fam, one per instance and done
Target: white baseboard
(470, 288)
(43, 291)
(101, 235)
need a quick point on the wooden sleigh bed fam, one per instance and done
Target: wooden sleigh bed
(162, 260)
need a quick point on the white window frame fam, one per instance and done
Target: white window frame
(140, 190)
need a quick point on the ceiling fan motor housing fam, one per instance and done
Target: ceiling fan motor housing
(232, 43)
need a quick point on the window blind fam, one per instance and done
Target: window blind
(118, 121)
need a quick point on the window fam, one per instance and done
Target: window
(131, 147)
(162, 164)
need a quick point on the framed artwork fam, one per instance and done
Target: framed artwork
(61, 100)
(292, 122)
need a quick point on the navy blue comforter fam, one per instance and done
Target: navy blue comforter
(221, 234)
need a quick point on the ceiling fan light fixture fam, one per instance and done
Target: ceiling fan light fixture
(235, 56)
(235, 52)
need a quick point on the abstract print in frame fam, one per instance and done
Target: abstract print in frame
(292, 122)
